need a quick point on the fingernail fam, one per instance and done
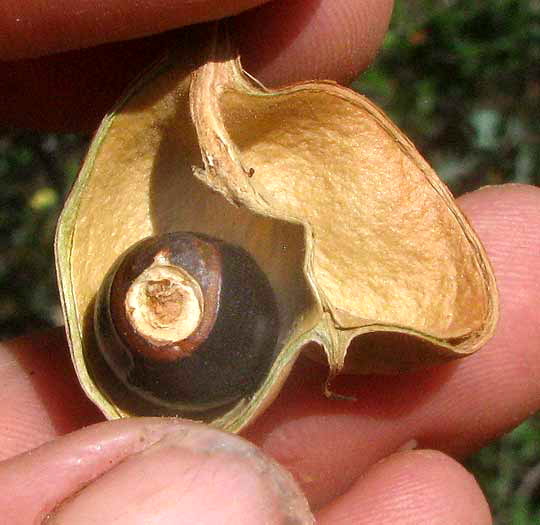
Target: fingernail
(193, 474)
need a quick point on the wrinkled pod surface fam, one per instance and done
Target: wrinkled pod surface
(351, 240)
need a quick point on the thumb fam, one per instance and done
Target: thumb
(148, 470)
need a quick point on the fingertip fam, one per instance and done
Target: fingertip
(507, 219)
(316, 39)
(181, 470)
(500, 385)
(412, 487)
(501, 207)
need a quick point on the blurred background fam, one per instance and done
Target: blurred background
(461, 78)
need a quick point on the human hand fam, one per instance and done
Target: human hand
(331, 447)
(49, 82)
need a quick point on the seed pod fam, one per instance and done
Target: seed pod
(360, 241)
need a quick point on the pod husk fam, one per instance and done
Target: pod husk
(366, 249)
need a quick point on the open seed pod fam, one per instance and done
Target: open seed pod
(355, 242)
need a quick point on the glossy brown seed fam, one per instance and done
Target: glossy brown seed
(186, 319)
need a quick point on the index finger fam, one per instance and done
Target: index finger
(280, 42)
(30, 29)
(327, 444)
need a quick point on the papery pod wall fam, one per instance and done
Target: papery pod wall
(360, 240)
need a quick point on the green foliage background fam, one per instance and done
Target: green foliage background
(461, 78)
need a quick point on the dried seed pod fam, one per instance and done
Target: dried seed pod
(359, 239)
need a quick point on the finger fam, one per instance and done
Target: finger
(315, 39)
(86, 24)
(148, 470)
(282, 42)
(455, 408)
(420, 488)
(40, 395)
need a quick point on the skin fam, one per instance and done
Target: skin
(354, 461)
